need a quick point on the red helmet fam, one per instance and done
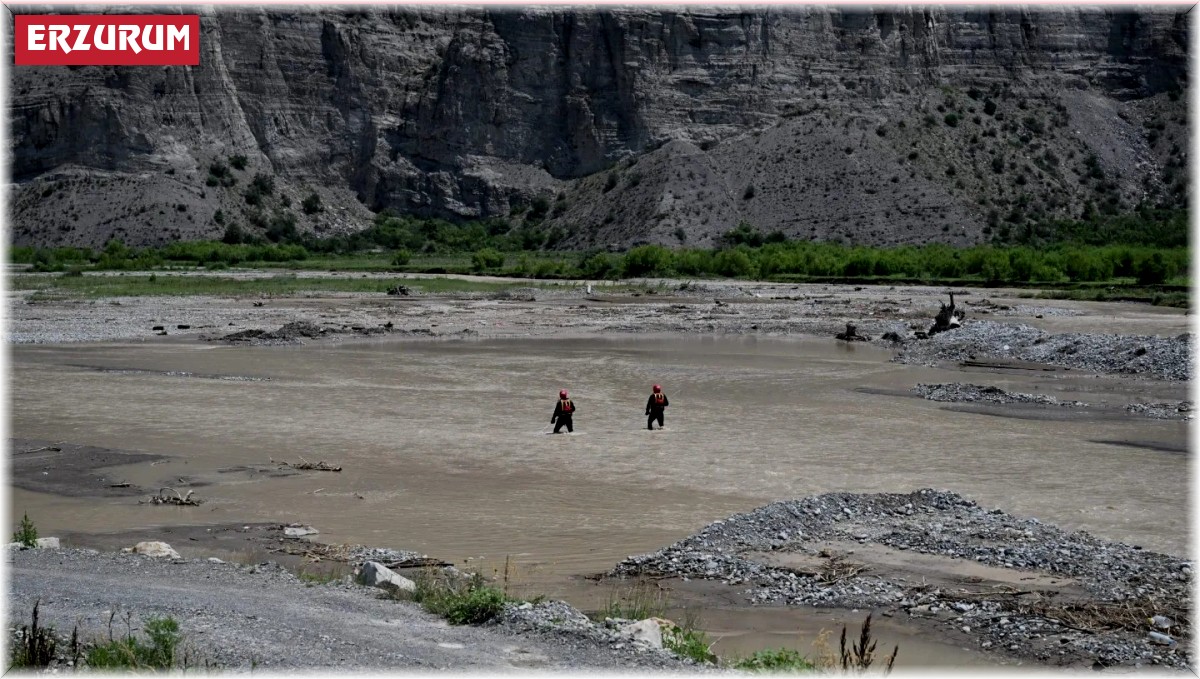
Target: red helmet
(562, 393)
(657, 388)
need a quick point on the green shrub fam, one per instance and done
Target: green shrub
(776, 660)
(460, 602)
(647, 260)
(26, 532)
(1151, 270)
(401, 257)
(158, 652)
(238, 161)
(689, 643)
(36, 646)
(951, 120)
(610, 182)
(311, 205)
(487, 259)
(233, 234)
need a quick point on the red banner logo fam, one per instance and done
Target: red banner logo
(107, 40)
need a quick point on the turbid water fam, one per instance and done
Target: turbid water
(443, 448)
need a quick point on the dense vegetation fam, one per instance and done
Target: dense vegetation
(1146, 248)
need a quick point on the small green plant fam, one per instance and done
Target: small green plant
(158, 652)
(36, 645)
(238, 161)
(610, 182)
(311, 205)
(859, 656)
(26, 533)
(487, 259)
(775, 660)
(689, 642)
(401, 257)
(460, 601)
(643, 600)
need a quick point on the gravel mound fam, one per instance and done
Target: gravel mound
(1162, 411)
(244, 617)
(1168, 358)
(931, 522)
(955, 392)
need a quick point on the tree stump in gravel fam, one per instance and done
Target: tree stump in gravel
(851, 334)
(948, 318)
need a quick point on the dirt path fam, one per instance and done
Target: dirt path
(243, 617)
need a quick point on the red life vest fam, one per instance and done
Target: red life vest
(567, 406)
(659, 399)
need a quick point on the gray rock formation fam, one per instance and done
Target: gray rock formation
(896, 125)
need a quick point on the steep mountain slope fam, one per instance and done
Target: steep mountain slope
(903, 125)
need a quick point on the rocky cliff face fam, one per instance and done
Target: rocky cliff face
(897, 125)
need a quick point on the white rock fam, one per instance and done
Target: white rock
(645, 631)
(299, 531)
(158, 549)
(375, 574)
(47, 543)
(213, 559)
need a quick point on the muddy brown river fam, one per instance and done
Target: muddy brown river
(445, 450)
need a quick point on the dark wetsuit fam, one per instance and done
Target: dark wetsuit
(654, 410)
(562, 415)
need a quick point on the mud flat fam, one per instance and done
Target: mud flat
(1020, 588)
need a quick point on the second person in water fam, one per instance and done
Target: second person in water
(562, 413)
(655, 407)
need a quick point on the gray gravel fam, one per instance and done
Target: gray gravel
(931, 522)
(955, 392)
(242, 616)
(1167, 358)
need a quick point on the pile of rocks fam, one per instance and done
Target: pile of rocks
(1166, 358)
(955, 392)
(949, 525)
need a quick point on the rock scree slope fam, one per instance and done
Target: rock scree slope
(636, 125)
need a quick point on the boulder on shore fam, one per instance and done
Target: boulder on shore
(375, 574)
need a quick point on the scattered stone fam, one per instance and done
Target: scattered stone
(375, 574)
(957, 393)
(298, 531)
(645, 631)
(153, 548)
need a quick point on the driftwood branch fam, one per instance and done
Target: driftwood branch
(164, 499)
(851, 334)
(948, 318)
(304, 464)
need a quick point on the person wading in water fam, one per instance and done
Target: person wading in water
(655, 407)
(562, 413)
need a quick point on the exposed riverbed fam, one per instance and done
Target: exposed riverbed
(443, 448)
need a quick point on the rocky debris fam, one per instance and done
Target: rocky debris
(155, 549)
(949, 317)
(850, 334)
(644, 631)
(1162, 411)
(375, 574)
(955, 392)
(242, 617)
(560, 619)
(40, 543)
(1167, 358)
(1122, 586)
(296, 332)
(298, 531)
